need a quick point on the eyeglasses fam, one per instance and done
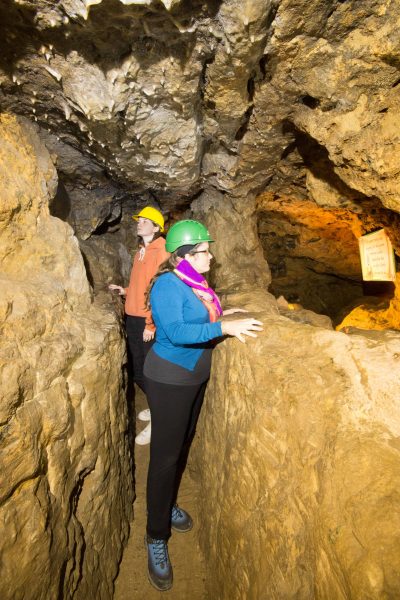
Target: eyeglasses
(201, 252)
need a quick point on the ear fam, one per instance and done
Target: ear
(189, 258)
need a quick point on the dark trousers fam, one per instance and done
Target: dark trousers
(137, 348)
(174, 413)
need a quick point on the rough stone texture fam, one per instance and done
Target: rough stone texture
(379, 315)
(298, 100)
(210, 104)
(239, 263)
(299, 434)
(313, 251)
(66, 482)
(295, 100)
(173, 96)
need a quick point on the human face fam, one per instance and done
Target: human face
(201, 257)
(146, 228)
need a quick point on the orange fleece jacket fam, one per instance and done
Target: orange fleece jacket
(145, 266)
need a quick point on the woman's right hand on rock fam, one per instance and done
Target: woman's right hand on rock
(241, 327)
(118, 288)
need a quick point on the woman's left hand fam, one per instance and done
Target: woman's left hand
(231, 311)
(148, 335)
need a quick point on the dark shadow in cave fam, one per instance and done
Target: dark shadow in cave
(87, 268)
(60, 205)
(317, 161)
(316, 282)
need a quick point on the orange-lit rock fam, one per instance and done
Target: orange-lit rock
(382, 315)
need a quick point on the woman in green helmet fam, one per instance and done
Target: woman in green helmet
(185, 312)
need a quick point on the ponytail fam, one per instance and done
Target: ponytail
(168, 266)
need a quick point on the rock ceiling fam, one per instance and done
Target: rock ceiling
(299, 99)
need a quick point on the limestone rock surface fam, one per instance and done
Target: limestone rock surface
(297, 456)
(379, 315)
(174, 96)
(172, 99)
(238, 259)
(66, 483)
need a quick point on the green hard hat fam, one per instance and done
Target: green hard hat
(186, 233)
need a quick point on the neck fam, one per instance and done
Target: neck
(147, 239)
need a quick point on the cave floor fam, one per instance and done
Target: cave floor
(186, 558)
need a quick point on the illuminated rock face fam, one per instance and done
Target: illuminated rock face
(313, 251)
(380, 314)
(66, 485)
(162, 101)
(298, 462)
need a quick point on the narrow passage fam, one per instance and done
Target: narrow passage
(186, 558)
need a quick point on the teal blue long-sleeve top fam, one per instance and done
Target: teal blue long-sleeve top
(181, 320)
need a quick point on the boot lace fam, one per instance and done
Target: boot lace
(176, 512)
(160, 552)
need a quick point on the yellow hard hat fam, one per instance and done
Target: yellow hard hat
(148, 212)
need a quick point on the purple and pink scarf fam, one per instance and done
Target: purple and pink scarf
(200, 287)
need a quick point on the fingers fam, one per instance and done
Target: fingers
(247, 327)
(252, 324)
(249, 333)
(255, 322)
(116, 288)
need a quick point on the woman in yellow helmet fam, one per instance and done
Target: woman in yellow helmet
(140, 328)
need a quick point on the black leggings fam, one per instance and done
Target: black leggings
(137, 348)
(174, 413)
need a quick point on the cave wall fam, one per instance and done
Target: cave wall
(66, 473)
(297, 458)
(201, 107)
(170, 100)
(295, 98)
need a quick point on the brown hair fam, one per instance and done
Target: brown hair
(167, 267)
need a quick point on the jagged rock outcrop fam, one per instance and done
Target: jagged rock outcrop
(299, 434)
(66, 481)
(297, 101)
(172, 97)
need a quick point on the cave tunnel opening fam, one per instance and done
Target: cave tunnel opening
(301, 269)
(314, 259)
(310, 230)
